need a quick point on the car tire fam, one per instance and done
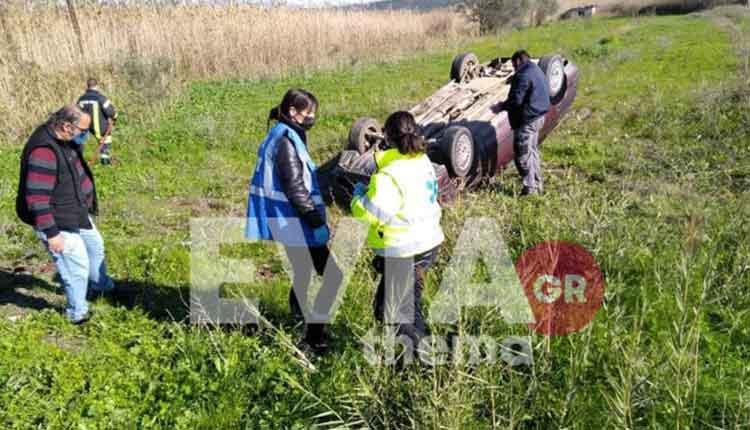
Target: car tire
(363, 134)
(465, 67)
(457, 146)
(553, 67)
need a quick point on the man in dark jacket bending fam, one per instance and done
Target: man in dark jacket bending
(527, 103)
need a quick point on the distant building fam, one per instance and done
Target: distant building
(579, 12)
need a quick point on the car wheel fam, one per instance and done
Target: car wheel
(465, 67)
(457, 146)
(554, 68)
(364, 133)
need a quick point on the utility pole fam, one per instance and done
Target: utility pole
(74, 23)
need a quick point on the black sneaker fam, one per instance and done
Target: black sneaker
(312, 348)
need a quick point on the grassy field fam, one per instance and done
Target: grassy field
(654, 183)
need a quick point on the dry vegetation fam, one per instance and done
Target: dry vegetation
(144, 51)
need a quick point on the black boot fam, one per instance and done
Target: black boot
(104, 158)
(316, 338)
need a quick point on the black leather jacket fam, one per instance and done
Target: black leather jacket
(290, 170)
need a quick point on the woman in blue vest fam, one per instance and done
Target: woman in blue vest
(285, 205)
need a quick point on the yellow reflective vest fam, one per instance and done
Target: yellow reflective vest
(401, 205)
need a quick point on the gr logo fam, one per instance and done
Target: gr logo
(563, 284)
(575, 288)
(555, 287)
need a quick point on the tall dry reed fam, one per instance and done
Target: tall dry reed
(142, 52)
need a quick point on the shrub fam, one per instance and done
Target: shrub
(494, 15)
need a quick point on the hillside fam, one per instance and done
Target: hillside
(420, 5)
(653, 182)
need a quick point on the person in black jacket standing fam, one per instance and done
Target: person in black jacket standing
(527, 103)
(103, 116)
(57, 197)
(285, 205)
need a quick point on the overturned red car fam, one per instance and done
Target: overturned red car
(467, 130)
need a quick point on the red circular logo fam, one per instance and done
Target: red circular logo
(564, 286)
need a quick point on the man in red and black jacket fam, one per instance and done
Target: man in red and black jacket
(57, 197)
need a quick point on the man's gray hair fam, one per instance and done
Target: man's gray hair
(70, 114)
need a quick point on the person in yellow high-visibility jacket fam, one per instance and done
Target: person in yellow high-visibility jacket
(400, 205)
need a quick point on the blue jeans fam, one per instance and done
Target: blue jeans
(81, 266)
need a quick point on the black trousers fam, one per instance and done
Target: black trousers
(304, 261)
(398, 299)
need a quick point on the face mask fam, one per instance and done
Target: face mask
(308, 123)
(81, 138)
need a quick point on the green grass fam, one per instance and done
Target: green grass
(654, 184)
